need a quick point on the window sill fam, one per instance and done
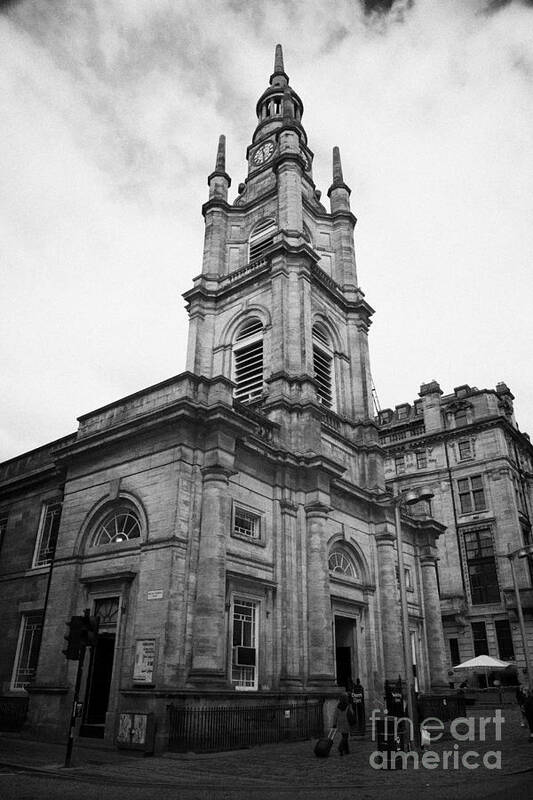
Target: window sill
(260, 542)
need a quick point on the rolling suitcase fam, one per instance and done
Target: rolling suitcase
(323, 746)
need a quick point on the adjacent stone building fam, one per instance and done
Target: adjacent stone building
(467, 448)
(229, 526)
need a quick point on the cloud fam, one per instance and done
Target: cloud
(112, 110)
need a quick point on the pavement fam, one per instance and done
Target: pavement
(481, 758)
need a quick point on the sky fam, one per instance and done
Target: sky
(111, 112)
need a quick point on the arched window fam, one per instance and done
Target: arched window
(261, 237)
(120, 525)
(323, 365)
(248, 361)
(340, 563)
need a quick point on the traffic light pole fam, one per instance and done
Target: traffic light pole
(75, 701)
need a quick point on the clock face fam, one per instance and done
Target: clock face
(263, 153)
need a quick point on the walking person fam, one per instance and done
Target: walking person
(340, 721)
(521, 699)
(528, 712)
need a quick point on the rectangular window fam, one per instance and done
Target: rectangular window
(471, 494)
(465, 450)
(47, 534)
(479, 636)
(454, 651)
(481, 566)
(28, 650)
(399, 464)
(505, 639)
(323, 366)
(244, 649)
(421, 460)
(408, 579)
(246, 523)
(248, 375)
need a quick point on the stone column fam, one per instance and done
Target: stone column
(391, 627)
(209, 629)
(434, 632)
(321, 668)
(290, 629)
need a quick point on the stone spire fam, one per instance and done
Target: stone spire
(338, 192)
(278, 103)
(279, 77)
(219, 181)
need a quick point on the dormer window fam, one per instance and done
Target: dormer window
(323, 365)
(261, 238)
(248, 361)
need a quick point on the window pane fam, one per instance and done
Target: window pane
(48, 534)
(479, 634)
(29, 650)
(505, 639)
(120, 526)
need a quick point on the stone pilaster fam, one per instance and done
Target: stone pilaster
(434, 632)
(321, 668)
(209, 632)
(391, 629)
(290, 623)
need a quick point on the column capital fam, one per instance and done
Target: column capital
(317, 510)
(216, 472)
(428, 560)
(385, 538)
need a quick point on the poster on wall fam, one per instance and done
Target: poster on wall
(143, 669)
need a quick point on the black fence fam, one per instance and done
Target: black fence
(232, 727)
(13, 712)
(443, 707)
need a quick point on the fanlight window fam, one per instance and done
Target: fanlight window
(323, 365)
(261, 238)
(120, 526)
(340, 563)
(248, 361)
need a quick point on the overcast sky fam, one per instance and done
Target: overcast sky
(111, 111)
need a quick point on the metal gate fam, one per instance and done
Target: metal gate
(230, 727)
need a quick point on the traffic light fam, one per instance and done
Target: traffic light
(72, 650)
(89, 630)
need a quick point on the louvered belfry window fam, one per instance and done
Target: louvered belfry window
(261, 238)
(323, 366)
(248, 361)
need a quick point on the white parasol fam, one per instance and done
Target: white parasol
(485, 663)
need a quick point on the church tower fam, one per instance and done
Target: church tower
(278, 311)
(277, 307)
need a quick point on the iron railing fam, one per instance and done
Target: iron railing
(232, 727)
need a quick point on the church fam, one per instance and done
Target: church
(229, 526)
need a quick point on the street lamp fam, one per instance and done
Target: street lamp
(399, 499)
(520, 552)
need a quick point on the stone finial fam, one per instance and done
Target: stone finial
(337, 167)
(219, 181)
(220, 165)
(278, 60)
(340, 200)
(279, 77)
